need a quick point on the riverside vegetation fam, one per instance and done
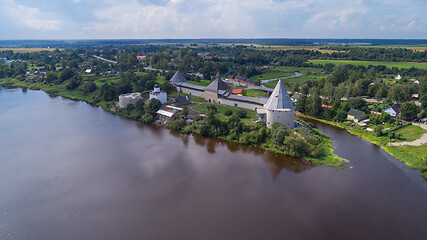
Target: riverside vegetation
(340, 85)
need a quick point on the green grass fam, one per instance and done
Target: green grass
(203, 83)
(411, 132)
(160, 79)
(415, 157)
(271, 75)
(373, 63)
(192, 97)
(291, 81)
(255, 93)
(203, 107)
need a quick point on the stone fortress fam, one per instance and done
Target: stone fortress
(277, 108)
(128, 98)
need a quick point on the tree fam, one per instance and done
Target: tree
(66, 74)
(357, 103)
(314, 104)
(89, 87)
(301, 103)
(154, 106)
(139, 106)
(341, 115)
(339, 74)
(378, 130)
(408, 110)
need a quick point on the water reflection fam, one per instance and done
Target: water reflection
(275, 162)
(71, 171)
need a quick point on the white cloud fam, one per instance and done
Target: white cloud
(214, 18)
(29, 17)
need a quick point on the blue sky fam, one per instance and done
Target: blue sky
(141, 19)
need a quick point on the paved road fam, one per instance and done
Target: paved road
(296, 74)
(104, 59)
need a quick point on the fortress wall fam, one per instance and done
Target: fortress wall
(239, 104)
(191, 92)
(286, 118)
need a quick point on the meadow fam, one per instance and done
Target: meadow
(26, 50)
(399, 65)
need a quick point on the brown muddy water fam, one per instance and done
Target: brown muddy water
(72, 171)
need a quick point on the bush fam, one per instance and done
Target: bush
(241, 113)
(212, 107)
(147, 118)
(177, 125)
(228, 112)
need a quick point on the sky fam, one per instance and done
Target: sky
(159, 19)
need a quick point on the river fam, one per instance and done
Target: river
(72, 171)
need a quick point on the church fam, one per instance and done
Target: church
(277, 108)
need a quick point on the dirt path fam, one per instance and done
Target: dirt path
(420, 141)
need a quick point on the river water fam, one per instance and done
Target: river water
(72, 171)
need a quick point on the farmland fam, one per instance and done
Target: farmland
(26, 50)
(399, 65)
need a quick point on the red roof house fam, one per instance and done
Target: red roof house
(237, 91)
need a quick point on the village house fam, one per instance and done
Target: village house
(181, 101)
(356, 115)
(295, 97)
(238, 92)
(246, 81)
(392, 111)
(167, 113)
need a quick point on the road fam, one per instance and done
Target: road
(104, 59)
(420, 141)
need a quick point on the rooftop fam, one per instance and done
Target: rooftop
(279, 99)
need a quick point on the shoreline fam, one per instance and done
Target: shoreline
(327, 158)
(389, 149)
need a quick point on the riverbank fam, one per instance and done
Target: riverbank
(413, 156)
(324, 150)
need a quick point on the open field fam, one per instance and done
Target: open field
(203, 83)
(255, 93)
(415, 157)
(290, 81)
(23, 50)
(101, 80)
(271, 75)
(284, 48)
(373, 63)
(411, 133)
(203, 107)
(417, 48)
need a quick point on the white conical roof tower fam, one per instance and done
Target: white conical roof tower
(279, 99)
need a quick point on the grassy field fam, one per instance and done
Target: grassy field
(291, 81)
(284, 48)
(160, 79)
(272, 75)
(203, 107)
(415, 157)
(411, 133)
(25, 50)
(255, 93)
(373, 63)
(101, 80)
(417, 48)
(203, 83)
